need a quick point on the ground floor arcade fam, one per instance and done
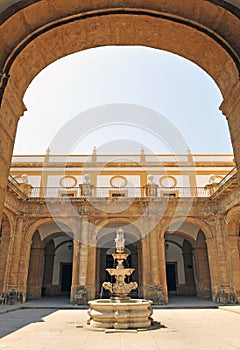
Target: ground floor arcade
(70, 257)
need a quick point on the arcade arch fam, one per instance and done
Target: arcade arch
(50, 266)
(187, 264)
(105, 248)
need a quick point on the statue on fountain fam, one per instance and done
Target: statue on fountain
(120, 240)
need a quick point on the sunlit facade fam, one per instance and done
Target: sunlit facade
(63, 212)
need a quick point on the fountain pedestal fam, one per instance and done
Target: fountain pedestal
(120, 311)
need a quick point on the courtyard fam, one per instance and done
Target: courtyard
(176, 328)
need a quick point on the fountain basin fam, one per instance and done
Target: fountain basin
(118, 314)
(120, 272)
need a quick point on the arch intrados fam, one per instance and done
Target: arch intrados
(62, 243)
(47, 239)
(108, 238)
(37, 224)
(105, 237)
(173, 242)
(35, 56)
(185, 11)
(233, 221)
(106, 224)
(196, 222)
(183, 235)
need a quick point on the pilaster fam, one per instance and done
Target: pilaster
(223, 291)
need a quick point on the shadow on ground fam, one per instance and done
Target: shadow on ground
(12, 321)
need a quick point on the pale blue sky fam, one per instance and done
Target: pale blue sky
(166, 83)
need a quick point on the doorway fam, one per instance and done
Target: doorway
(171, 277)
(66, 277)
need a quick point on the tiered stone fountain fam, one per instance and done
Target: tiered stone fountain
(120, 311)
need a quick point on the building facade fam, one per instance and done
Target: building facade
(180, 215)
(203, 229)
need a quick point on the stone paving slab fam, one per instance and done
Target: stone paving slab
(48, 329)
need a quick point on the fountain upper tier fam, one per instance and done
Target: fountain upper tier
(120, 289)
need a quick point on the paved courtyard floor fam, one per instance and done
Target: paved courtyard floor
(59, 329)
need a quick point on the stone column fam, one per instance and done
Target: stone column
(5, 243)
(80, 289)
(157, 269)
(35, 273)
(163, 272)
(203, 282)
(48, 268)
(213, 266)
(91, 271)
(234, 260)
(12, 108)
(24, 267)
(16, 254)
(223, 292)
(75, 270)
(145, 264)
(187, 253)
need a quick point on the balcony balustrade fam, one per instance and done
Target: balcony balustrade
(113, 192)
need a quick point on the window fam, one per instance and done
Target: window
(68, 194)
(171, 194)
(117, 194)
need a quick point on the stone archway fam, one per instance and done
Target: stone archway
(191, 255)
(204, 32)
(50, 265)
(106, 246)
(180, 267)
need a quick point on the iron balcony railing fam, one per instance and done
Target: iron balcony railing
(113, 192)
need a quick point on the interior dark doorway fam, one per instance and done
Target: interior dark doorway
(171, 277)
(66, 278)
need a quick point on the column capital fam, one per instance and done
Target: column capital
(13, 98)
(231, 100)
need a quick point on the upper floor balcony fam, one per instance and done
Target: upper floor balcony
(150, 190)
(121, 176)
(110, 192)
